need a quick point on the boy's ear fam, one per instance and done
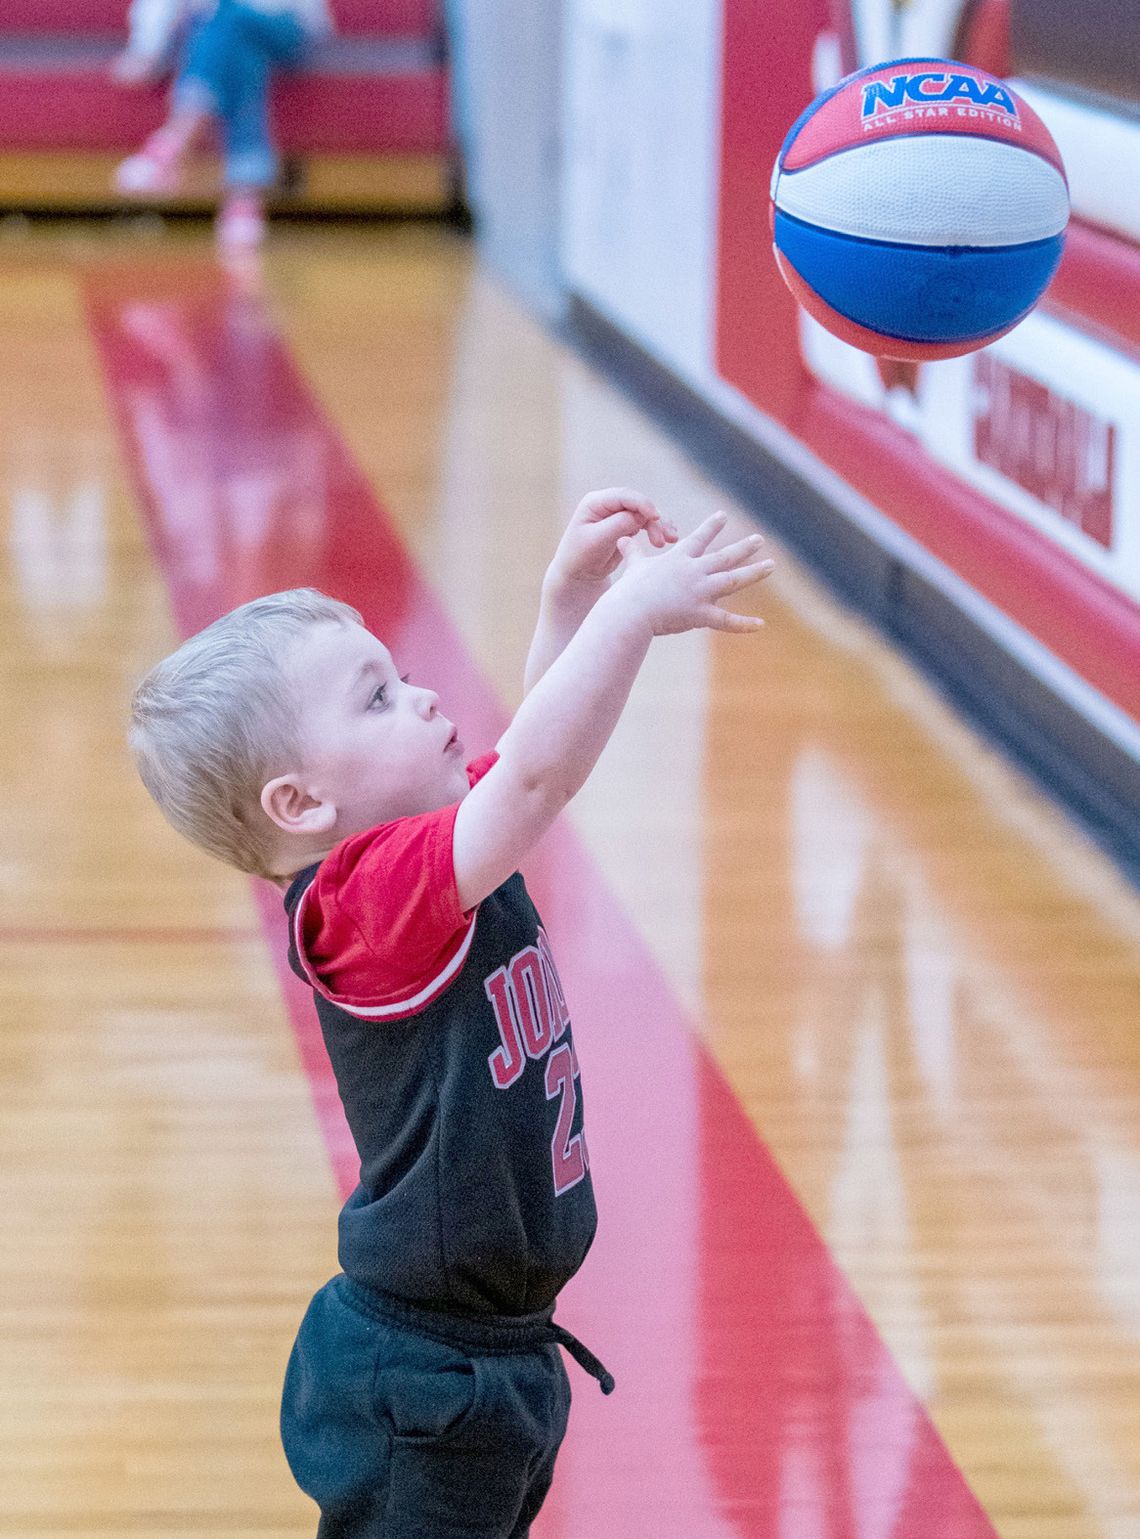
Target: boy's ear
(286, 803)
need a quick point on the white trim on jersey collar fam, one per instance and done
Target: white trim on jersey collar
(398, 1007)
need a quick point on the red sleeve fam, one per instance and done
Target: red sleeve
(379, 929)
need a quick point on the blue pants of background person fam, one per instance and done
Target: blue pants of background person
(226, 70)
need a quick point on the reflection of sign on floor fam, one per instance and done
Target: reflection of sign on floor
(1059, 452)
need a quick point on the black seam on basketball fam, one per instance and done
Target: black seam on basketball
(902, 245)
(845, 149)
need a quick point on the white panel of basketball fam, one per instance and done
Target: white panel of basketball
(930, 190)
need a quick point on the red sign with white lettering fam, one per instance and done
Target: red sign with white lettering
(1059, 452)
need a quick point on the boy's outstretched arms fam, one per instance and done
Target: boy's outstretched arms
(566, 720)
(588, 554)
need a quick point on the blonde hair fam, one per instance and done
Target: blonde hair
(216, 720)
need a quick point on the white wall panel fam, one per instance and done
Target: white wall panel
(642, 124)
(506, 84)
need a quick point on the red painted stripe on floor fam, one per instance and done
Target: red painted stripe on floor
(755, 1399)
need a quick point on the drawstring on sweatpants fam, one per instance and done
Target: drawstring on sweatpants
(478, 1333)
(584, 1358)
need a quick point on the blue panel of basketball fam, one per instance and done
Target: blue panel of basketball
(918, 293)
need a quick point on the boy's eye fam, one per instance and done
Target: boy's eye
(380, 694)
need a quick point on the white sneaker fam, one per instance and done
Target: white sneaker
(241, 225)
(142, 175)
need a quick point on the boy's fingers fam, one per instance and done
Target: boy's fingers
(661, 532)
(726, 620)
(702, 537)
(601, 509)
(732, 555)
(618, 499)
(740, 577)
(613, 527)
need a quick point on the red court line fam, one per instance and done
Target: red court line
(755, 1398)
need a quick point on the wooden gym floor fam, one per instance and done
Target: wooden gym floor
(857, 1006)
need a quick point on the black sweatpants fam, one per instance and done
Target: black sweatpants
(397, 1434)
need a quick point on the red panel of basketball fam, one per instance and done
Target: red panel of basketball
(920, 97)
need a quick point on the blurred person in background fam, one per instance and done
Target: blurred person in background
(222, 54)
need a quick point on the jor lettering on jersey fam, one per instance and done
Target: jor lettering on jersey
(532, 1017)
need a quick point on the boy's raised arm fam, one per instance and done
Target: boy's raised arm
(588, 553)
(566, 720)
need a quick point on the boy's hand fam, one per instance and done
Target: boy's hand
(681, 590)
(589, 551)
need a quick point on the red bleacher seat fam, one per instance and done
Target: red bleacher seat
(356, 111)
(354, 18)
(63, 16)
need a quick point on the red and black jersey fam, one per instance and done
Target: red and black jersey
(450, 1040)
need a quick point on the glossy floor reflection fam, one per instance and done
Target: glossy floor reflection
(856, 1006)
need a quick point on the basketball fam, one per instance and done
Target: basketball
(918, 209)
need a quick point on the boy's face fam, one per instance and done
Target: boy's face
(372, 744)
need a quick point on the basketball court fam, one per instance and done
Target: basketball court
(855, 1001)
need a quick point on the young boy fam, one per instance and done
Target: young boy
(425, 1396)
